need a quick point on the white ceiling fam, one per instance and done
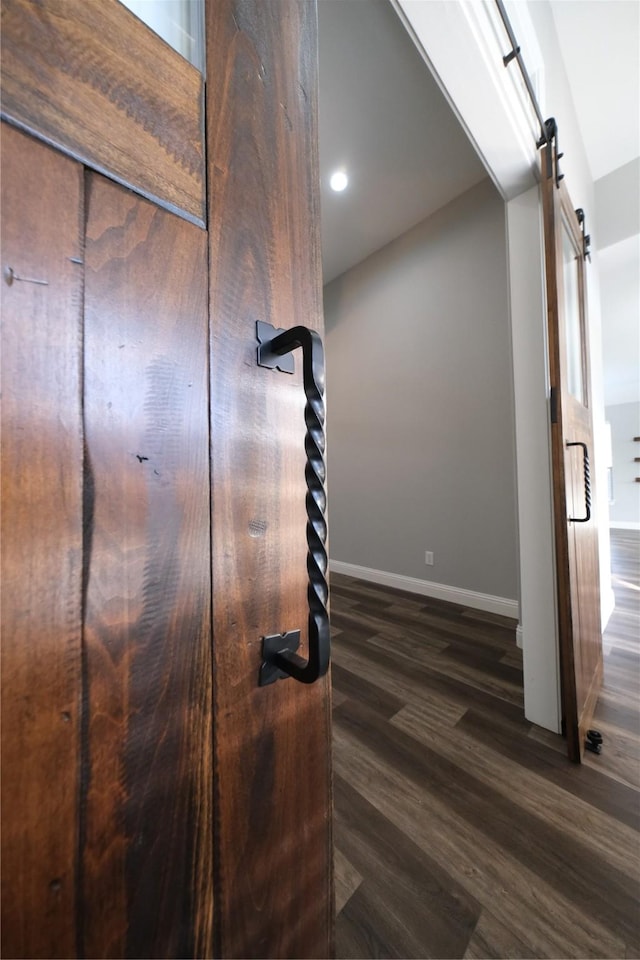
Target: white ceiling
(600, 42)
(384, 120)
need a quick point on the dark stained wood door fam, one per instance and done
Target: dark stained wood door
(41, 555)
(156, 801)
(575, 517)
(273, 777)
(146, 846)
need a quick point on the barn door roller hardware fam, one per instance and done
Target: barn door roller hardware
(586, 239)
(548, 141)
(548, 128)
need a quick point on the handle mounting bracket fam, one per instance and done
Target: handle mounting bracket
(271, 647)
(265, 333)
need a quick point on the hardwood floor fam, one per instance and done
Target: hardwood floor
(461, 830)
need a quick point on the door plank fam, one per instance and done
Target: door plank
(41, 545)
(146, 844)
(93, 80)
(272, 744)
(576, 543)
(559, 484)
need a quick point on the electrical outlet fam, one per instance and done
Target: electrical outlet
(428, 558)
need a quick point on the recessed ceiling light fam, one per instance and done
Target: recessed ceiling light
(339, 181)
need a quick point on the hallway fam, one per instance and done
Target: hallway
(461, 829)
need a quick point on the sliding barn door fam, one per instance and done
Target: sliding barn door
(162, 492)
(576, 531)
(41, 557)
(273, 810)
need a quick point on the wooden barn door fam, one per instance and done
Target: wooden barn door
(576, 530)
(156, 800)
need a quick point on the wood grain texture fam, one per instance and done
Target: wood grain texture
(147, 767)
(93, 80)
(492, 939)
(577, 564)
(559, 483)
(272, 747)
(41, 545)
(543, 854)
(617, 714)
(413, 898)
(347, 879)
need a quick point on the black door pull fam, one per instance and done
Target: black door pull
(587, 483)
(280, 659)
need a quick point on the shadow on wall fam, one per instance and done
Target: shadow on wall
(421, 453)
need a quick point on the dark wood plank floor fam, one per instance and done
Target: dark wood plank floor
(461, 829)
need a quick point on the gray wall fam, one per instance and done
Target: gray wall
(625, 425)
(420, 403)
(618, 205)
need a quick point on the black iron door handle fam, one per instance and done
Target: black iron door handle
(279, 657)
(587, 483)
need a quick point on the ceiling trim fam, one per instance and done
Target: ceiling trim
(463, 43)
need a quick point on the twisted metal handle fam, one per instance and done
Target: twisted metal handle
(280, 658)
(587, 483)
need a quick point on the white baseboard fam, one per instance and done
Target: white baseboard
(519, 636)
(440, 591)
(623, 525)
